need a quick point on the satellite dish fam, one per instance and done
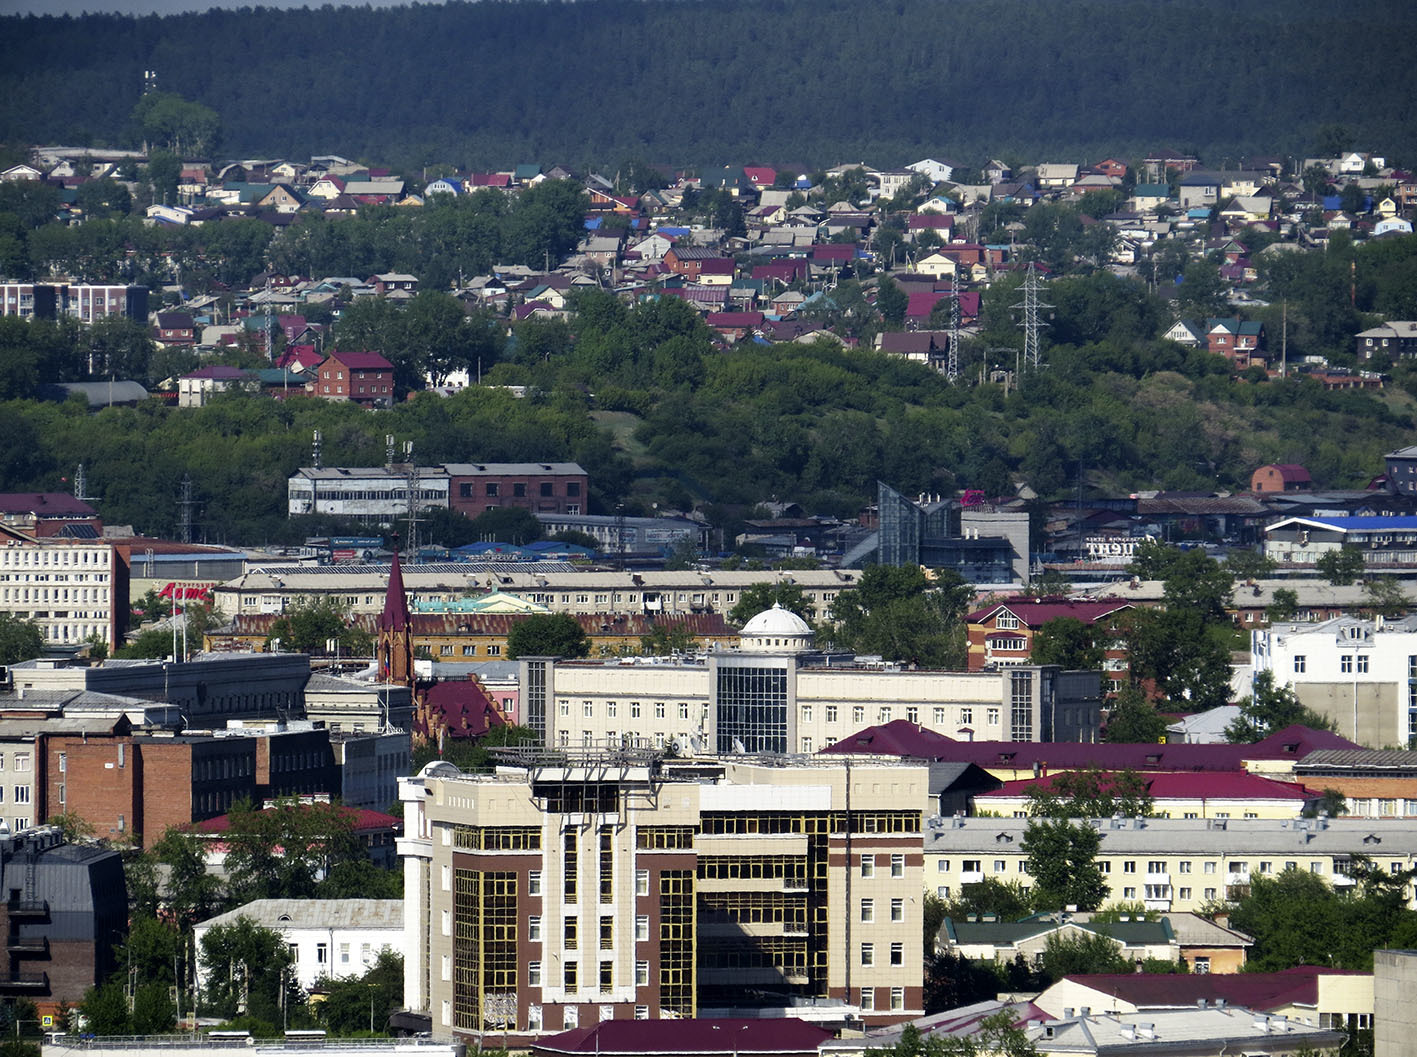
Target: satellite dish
(738, 747)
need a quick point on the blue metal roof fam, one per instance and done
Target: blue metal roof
(1361, 524)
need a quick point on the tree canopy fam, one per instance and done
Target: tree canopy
(547, 635)
(1062, 860)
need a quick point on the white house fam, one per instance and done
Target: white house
(326, 937)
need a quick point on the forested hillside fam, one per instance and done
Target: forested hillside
(695, 82)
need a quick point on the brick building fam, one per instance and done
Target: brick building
(541, 487)
(619, 885)
(361, 377)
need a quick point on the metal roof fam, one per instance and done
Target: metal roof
(317, 913)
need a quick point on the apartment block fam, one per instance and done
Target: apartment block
(71, 588)
(570, 888)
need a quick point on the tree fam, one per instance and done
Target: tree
(1340, 567)
(895, 612)
(1270, 708)
(1062, 860)
(1283, 606)
(996, 1036)
(664, 639)
(892, 302)
(1085, 952)
(763, 596)
(1385, 597)
(547, 635)
(360, 1005)
(1134, 720)
(1091, 793)
(507, 524)
(1068, 642)
(283, 851)
(168, 121)
(20, 640)
(308, 628)
(1249, 565)
(245, 967)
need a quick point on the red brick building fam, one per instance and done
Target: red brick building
(540, 487)
(365, 378)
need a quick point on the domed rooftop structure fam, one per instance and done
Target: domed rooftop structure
(775, 630)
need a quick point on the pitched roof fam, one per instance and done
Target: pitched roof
(361, 818)
(903, 738)
(1188, 785)
(361, 360)
(1035, 612)
(746, 1036)
(1261, 991)
(395, 614)
(45, 504)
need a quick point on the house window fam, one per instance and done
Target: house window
(1362, 664)
(533, 928)
(868, 866)
(642, 928)
(1200, 964)
(641, 882)
(533, 974)
(533, 883)
(322, 953)
(897, 909)
(897, 998)
(1345, 663)
(898, 865)
(868, 999)
(642, 974)
(868, 954)
(868, 910)
(897, 954)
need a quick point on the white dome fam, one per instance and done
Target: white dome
(776, 628)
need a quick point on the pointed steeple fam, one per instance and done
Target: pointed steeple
(395, 615)
(395, 645)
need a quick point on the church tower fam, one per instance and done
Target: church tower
(395, 646)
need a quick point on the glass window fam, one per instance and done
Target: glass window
(868, 865)
(897, 909)
(868, 910)
(898, 864)
(868, 954)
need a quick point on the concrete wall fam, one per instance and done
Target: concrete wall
(1394, 1014)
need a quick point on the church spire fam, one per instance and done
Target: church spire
(395, 646)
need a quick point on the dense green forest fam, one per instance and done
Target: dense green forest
(694, 82)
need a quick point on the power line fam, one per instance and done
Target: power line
(1032, 323)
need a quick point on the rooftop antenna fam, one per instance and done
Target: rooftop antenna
(1032, 323)
(389, 451)
(315, 452)
(952, 364)
(184, 505)
(413, 489)
(81, 483)
(149, 81)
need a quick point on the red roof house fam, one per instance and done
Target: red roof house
(364, 378)
(788, 1037)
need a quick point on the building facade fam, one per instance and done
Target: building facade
(374, 495)
(86, 302)
(590, 886)
(775, 694)
(1176, 864)
(73, 589)
(1361, 674)
(540, 487)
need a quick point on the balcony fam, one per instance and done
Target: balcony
(13, 983)
(28, 908)
(1158, 878)
(30, 945)
(971, 877)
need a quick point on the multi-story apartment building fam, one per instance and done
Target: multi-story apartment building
(1175, 864)
(777, 694)
(86, 302)
(583, 886)
(1362, 674)
(73, 589)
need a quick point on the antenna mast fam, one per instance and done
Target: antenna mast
(81, 485)
(952, 364)
(184, 530)
(1031, 324)
(315, 459)
(412, 483)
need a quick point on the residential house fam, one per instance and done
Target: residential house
(374, 192)
(1281, 477)
(1239, 341)
(735, 326)
(1148, 198)
(761, 177)
(1001, 635)
(938, 172)
(198, 388)
(360, 377)
(1394, 339)
(391, 282)
(1200, 189)
(282, 198)
(175, 328)
(928, 347)
(1053, 177)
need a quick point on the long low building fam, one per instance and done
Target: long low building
(559, 586)
(1176, 864)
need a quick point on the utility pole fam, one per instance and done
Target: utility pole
(184, 530)
(952, 364)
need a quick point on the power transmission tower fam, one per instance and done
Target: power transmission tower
(952, 364)
(184, 505)
(1032, 323)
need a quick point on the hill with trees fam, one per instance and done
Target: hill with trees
(695, 82)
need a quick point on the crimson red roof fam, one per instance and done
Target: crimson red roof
(44, 504)
(395, 615)
(1184, 785)
(362, 360)
(788, 1035)
(903, 738)
(363, 819)
(1034, 613)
